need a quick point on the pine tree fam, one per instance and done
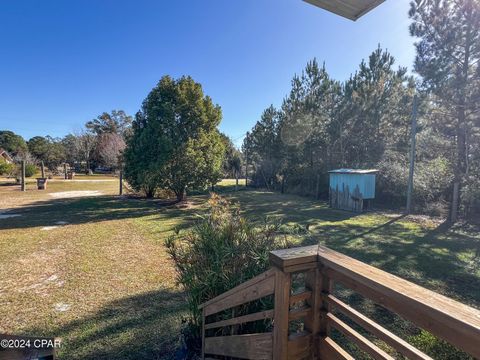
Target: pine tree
(448, 55)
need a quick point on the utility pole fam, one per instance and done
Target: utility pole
(412, 154)
(23, 187)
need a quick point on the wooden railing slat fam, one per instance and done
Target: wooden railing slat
(250, 346)
(362, 342)
(450, 320)
(255, 290)
(299, 313)
(267, 274)
(268, 314)
(397, 343)
(330, 350)
(446, 318)
(303, 296)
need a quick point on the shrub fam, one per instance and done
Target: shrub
(30, 170)
(222, 251)
(7, 169)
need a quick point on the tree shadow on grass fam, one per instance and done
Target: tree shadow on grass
(144, 326)
(95, 209)
(291, 208)
(445, 259)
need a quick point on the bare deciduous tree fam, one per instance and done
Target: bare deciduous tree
(109, 149)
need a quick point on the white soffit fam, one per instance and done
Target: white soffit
(351, 9)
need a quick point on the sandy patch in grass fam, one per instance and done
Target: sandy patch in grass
(62, 307)
(75, 194)
(56, 226)
(47, 228)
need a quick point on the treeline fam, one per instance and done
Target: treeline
(99, 144)
(365, 122)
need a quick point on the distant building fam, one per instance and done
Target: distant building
(5, 156)
(352, 189)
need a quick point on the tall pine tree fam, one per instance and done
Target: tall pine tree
(448, 55)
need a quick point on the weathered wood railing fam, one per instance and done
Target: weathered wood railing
(305, 310)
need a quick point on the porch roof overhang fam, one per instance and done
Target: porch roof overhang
(351, 9)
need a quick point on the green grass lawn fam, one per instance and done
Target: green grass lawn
(104, 283)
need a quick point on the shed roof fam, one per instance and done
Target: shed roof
(353, 171)
(351, 9)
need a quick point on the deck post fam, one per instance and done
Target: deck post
(281, 312)
(312, 323)
(325, 286)
(203, 333)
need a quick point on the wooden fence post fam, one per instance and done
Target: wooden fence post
(236, 180)
(282, 308)
(121, 182)
(23, 186)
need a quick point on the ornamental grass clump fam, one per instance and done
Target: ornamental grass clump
(222, 251)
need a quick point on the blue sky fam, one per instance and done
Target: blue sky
(64, 62)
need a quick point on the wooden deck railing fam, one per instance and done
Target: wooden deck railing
(306, 310)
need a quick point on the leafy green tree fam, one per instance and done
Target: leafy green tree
(448, 56)
(7, 169)
(69, 144)
(117, 122)
(47, 149)
(232, 165)
(175, 142)
(38, 147)
(56, 153)
(12, 143)
(30, 170)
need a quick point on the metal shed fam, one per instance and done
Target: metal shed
(352, 189)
